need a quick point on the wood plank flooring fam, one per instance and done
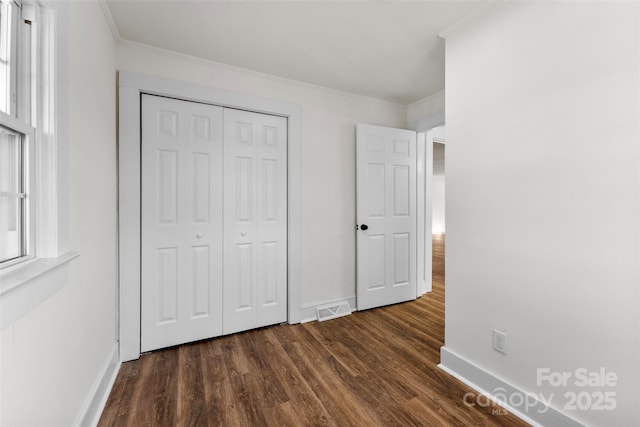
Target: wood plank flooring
(373, 368)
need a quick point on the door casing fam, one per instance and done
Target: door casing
(131, 87)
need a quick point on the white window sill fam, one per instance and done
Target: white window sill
(24, 286)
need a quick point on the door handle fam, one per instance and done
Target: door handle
(364, 227)
(199, 235)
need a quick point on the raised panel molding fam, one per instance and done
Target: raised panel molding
(401, 186)
(270, 136)
(168, 186)
(377, 245)
(377, 196)
(245, 133)
(401, 148)
(200, 128)
(244, 192)
(245, 282)
(201, 278)
(269, 193)
(168, 123)
(375, 144)
(201, 187)
(270, 272)
(401, 253)
(168, 285)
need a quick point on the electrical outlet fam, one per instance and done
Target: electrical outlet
(500, 341)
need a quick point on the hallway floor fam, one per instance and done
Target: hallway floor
(372, 368)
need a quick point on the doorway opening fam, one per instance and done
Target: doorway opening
(431, 201)
(438, 223)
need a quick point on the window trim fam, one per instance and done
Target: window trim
(25, 285)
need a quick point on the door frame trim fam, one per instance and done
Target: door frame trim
(425, 205)
(131, 87)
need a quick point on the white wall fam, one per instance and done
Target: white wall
(328, 155)
(52, 356)
(543, 195)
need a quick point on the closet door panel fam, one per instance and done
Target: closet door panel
(181, 222)
(255, 218)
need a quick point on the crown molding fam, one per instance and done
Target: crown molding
(427, 99)
(110, 22)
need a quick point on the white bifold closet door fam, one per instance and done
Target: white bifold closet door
(213, 221)
(255, 220)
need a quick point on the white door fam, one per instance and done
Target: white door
(386, 215)
(255, 218)
(181, 222)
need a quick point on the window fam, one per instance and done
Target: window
(34, 259)
(11, 196)
(17, 84)
(16, 229)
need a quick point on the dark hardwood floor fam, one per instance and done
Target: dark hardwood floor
(373, 368)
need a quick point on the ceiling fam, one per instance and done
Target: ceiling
(384, 49)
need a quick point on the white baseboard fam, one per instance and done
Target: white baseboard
(308, 311)
(536, 412)
(91, 410)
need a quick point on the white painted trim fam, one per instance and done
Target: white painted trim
(438, 134)
(308, 311)
(425, 208)
(26, 285)
(252, 73)
(428, 216)
(434, 135)
(424, 263)
(52, 135)
(423, 249)
(131, 86)
(96, 399)
(469, 18)
(638, 293)
(106, 11)
(538, 414)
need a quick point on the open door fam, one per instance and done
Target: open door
(386, 215)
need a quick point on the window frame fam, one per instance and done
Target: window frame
(27, 166)
(19, 47)
(26, 284)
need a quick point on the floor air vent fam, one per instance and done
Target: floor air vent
(333, 310)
